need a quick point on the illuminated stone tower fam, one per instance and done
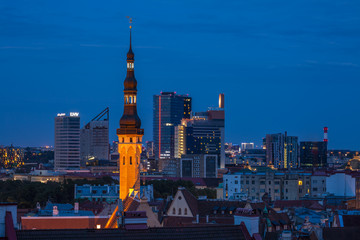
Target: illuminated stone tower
(130, 134)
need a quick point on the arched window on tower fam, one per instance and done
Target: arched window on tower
(130, 160)
(123, 160)
(130, 100)
(137, 160)
(134, 99)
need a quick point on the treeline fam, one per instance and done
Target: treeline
(165, 188)
(26, 194)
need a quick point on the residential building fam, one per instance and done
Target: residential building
(282, 151)
(94, 139)
(67, 141)
(247, 184)
(341, 183)
(313, 154)
(11, 157)
(199, 165)
(169, 108)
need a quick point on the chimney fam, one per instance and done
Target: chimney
(221, 100)
(55, 211)
(325, 134)
(76, 208)
(197, 218)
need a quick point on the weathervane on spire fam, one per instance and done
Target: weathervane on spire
(130, 21)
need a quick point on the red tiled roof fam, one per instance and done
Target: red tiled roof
(311, 204)
(191, 200)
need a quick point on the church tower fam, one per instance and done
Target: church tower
(130, 134)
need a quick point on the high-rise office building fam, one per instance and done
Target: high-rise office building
(282, 150)
(204, 133)
(67, 141)
(313, 154)
(94, 138)
(169, 108)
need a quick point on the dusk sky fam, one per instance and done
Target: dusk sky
(283, 65)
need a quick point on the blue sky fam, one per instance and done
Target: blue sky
(283, 65)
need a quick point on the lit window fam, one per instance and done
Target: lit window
(300, 183)
(98, 226)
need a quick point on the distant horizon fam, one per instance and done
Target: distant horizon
(283, 66)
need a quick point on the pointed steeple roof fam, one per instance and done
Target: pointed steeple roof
(130, 54)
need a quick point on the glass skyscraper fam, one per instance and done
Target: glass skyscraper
(169, 108)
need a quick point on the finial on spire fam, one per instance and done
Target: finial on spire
(130, 21)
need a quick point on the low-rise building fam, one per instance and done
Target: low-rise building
(253, 184)
(108, 193)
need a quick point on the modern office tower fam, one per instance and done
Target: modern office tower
(169, 109)
(313, 154)
(94, 139)
(246, 146)
(130, 135)
(204, 133)
(11, 157)
(199, 165)
(281, 151)
(67, 141)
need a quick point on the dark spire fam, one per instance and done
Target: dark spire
(130, 54)
(130, 118)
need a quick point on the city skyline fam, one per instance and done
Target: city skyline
(47, 71)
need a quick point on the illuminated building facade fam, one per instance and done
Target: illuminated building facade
(11, 157)
(282, 151)
(169, 108)
(130, 134)
(313, 154)
(204, 133)
(67, 141)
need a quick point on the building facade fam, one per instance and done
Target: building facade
(11, 157)
(204, 133)
(94, 139)
(278, 185)
(313, 154)
(199, 165)
(282, 151)
(168, 110)
(67, 141)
